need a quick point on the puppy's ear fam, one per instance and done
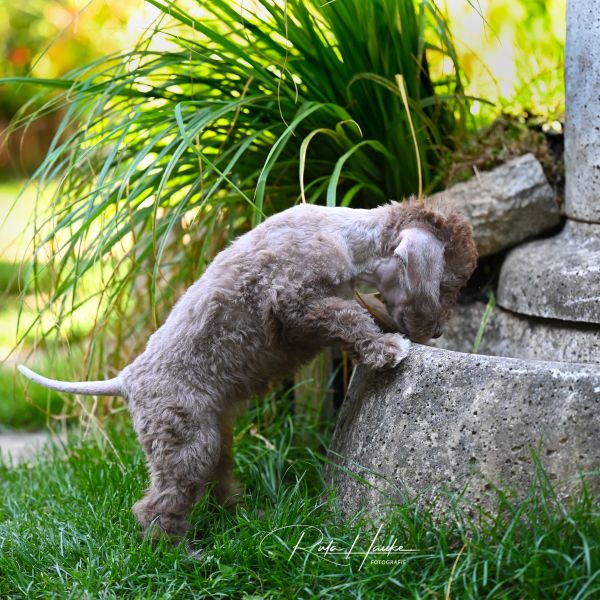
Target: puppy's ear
(422, 253)
(401, 250)
(418, 241)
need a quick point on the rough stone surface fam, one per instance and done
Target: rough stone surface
(447, 421)
(519, 336)
(557, 278)
(582, 126)
(507, 205)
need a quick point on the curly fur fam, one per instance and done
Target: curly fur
(266, 304)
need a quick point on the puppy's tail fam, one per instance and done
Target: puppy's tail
(110, 387)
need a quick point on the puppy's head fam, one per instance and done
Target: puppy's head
(433, 258)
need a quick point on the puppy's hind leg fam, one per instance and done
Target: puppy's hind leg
(228, 490)
(182, 456)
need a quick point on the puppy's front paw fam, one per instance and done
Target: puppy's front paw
(386, 352)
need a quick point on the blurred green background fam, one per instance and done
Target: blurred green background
(42, 38)
(510, 53)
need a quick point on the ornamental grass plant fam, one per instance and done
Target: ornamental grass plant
(223, 113)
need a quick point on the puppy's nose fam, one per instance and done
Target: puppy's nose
(437, 334)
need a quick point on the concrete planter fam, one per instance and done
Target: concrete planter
(447, 421)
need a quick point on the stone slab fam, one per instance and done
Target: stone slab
(506, 205)
(16, 446)
(450, 422)
(557, 278)
(519, 336)
(582, 122)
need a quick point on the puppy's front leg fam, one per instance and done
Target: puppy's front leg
(346, 322)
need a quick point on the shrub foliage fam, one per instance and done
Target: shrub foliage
(226, 112)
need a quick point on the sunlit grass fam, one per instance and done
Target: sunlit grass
(66, 530)
(26, 406)
(17, 208)
(511, 52)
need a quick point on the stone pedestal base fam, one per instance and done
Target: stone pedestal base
(519, 336)
(461, 422)
(557, 278)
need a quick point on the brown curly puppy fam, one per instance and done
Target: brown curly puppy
(265, 305)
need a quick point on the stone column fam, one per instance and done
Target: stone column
(559, 278)
(582, 127)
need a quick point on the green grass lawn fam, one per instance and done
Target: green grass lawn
(66, 531)
(25, 406)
